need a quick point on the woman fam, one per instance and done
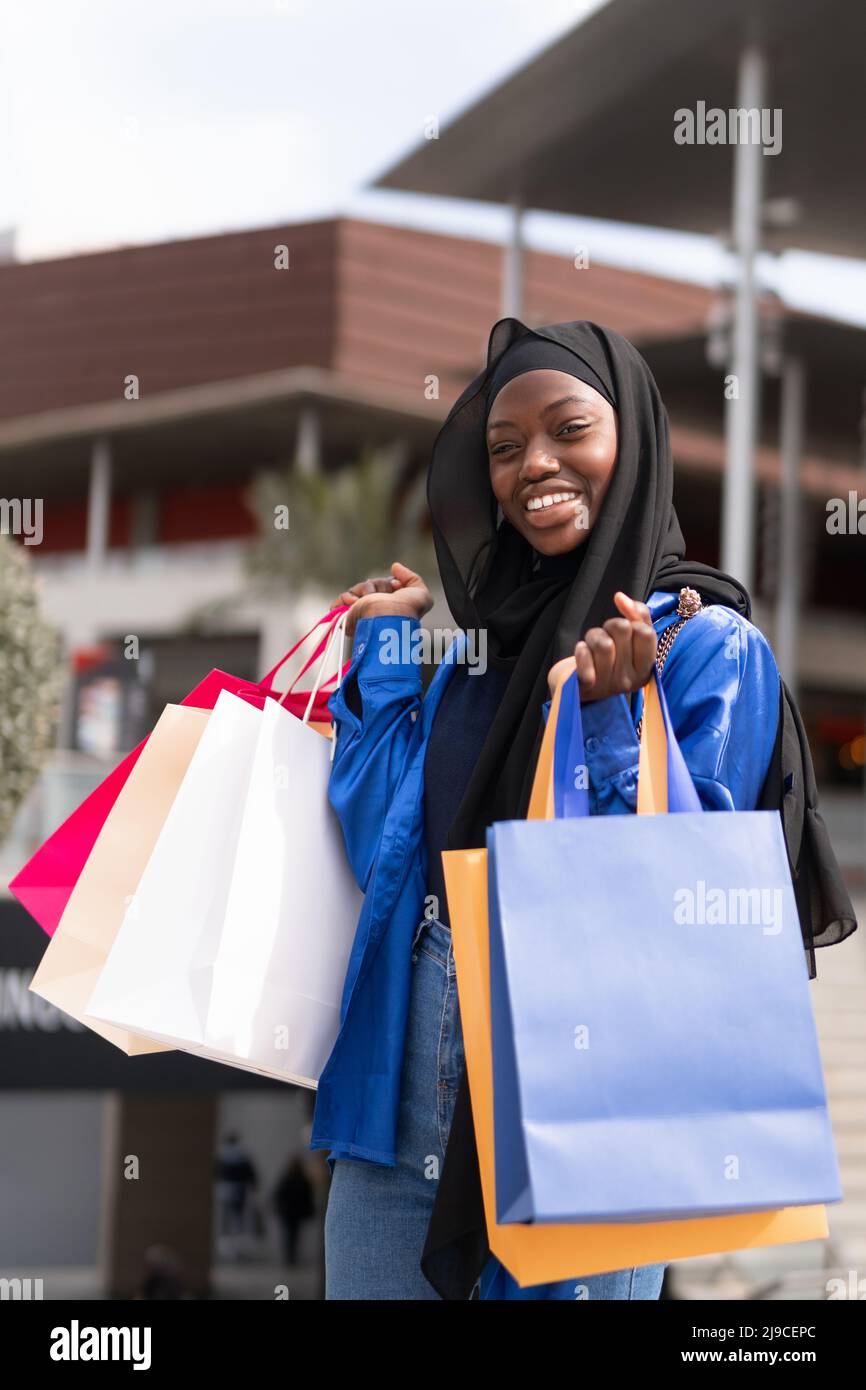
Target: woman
(550, 490)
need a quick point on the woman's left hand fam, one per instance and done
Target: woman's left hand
(614, 659)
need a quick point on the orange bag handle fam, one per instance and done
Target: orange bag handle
(652, 781)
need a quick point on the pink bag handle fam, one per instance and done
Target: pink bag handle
(332, 618)
(339, 626)
(317, 653)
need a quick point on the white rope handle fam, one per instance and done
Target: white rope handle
(342, 626)
(339, 626)
(322, 667)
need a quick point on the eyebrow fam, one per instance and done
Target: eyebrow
(563, 400)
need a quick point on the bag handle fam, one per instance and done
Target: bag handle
(331, 618)
(338, 627)
(664, 781)
(307, 664)
(541, 796)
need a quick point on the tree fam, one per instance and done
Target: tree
(31, 681)
(333, 529)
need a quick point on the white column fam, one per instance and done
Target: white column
(98, 503)
(738, 498)
(790, 558)
(308, 446)
(512, 264)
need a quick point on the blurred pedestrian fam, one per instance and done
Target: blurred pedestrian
(236, 1179)
(294, 1204)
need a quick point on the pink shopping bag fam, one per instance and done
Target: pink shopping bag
(46, 881)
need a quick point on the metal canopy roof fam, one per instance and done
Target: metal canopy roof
(834, 359)
(831, 351)
(587, 127)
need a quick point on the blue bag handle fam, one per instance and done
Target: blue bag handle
(570, 793)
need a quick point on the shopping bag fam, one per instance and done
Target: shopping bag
(157, 977)
(539, 1254)
(245, 913)
(79, 948)
(654, 1048)
(44, 884)
(291, 914)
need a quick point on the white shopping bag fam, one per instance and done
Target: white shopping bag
(157, 978)
(291, 914)
(237, 940)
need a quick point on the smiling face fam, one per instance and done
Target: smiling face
(551, 444)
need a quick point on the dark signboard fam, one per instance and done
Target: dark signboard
(41, 1047)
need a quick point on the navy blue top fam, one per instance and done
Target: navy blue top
(457, 734)
(458, 731)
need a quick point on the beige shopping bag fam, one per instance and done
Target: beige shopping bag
(105, 891)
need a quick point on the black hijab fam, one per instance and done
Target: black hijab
(533, 615)
(533, 619)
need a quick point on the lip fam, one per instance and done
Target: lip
(556, 513)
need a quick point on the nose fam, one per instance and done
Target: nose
(538, 461)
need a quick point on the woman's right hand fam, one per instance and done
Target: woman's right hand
(403, 594)
(614, 659)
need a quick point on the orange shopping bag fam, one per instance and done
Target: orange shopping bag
(540, 1254)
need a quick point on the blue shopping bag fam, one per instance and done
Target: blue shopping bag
(654, 1049)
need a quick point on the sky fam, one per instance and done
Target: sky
(128, 124)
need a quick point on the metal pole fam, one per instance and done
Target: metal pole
(308, 445)
(738, 499)
(789, 594)
(512, 264)
(98, 503)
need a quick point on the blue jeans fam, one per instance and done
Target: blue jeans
(377, 1217)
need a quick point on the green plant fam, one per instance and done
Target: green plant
(343, 526)
(31, 681)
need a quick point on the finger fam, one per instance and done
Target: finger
(644, 650)
(383, 585)
(631, 608)
(586, 674)
(621, 630)
(404, 578)
(349, 597)
(403, 575)
(603, 651)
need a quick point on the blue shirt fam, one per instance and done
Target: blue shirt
(462, 723)
(722, 688)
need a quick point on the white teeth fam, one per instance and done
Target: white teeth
(548, 499)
